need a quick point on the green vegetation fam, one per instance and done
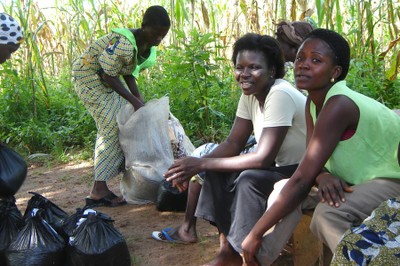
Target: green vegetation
(42, 114)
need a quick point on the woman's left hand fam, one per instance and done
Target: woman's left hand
(250, 247)
(331, 189)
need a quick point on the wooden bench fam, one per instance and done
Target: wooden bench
(304, 247)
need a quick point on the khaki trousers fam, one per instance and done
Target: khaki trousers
(328, 223)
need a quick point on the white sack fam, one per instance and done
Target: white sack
(144, 139)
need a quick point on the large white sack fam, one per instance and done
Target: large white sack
(144, 139)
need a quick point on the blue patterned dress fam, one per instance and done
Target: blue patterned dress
(376, 241)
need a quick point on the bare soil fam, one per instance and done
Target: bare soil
(67, 185)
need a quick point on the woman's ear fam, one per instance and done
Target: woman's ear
(272, 73)
(337, 72)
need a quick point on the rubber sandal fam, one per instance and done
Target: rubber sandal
(106, 201)
(163, 236)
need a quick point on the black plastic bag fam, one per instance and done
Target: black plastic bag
(11, 222)
(170, 199)
(13, 170)
(37, 244)
(53, 214)
(97, 243)
(70, 224)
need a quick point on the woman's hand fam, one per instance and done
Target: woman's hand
(117, 85)
(331, 189)
(181, 186)
(180, 172)
(250, 246)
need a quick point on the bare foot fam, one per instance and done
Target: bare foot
(226, 258)
(184, 234)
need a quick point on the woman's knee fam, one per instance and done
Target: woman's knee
(255, 180)
(326, 216)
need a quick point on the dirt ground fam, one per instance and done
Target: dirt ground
(67, 185)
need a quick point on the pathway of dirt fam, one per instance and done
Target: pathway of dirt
(67, 185)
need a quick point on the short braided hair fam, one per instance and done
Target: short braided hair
(339, 46)
(265, 44)
(156, 16)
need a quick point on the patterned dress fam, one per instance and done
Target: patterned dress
(376, 241)
(115, 55)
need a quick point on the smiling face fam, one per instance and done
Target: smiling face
(315, 66)
(252, 73)
(6, 50)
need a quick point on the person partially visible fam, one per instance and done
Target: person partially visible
(289, 35)
(11, 36)
(374, 241)
(352, 155)
(122, 53)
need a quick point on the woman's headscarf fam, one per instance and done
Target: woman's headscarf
(293, 33)
(10, 30)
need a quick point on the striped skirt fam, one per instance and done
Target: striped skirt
(103, 104)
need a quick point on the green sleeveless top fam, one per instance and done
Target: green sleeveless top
(372, 151)
(141, 63)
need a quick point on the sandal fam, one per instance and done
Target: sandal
(106, 201)
(164, 236)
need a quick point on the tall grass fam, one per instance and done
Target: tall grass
(37, 92)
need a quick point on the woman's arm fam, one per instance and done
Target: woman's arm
(130, 80)
(267, 149)
(117, 85)
(185, 168)
(226, 156)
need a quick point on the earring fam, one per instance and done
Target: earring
(271, 76)
(332, 80)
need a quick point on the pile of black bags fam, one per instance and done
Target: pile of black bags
(47, 235)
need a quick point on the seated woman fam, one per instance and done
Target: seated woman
(274, 110)
(353, 155)
(289, 36)
(269, 106)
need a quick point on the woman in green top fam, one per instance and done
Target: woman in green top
(123, 52)
(352, 155)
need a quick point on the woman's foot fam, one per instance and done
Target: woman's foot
(111, 200)
(101, 195)
(227, 256)
(226, 259)
(186, 234)
(178, 234)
